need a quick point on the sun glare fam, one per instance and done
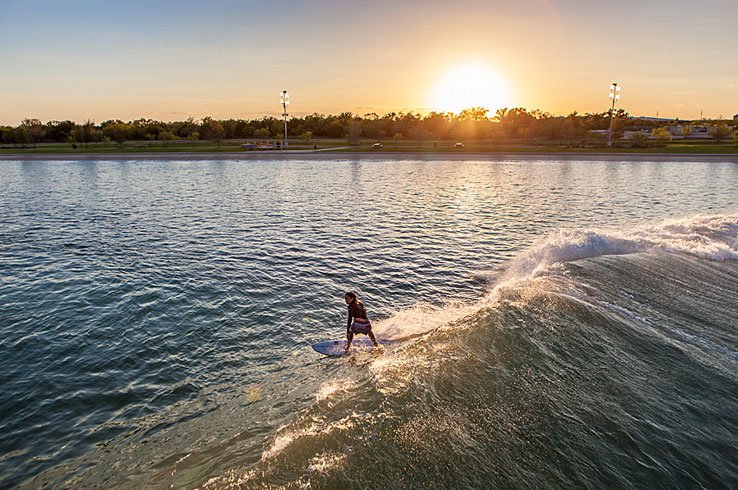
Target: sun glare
(472, 85)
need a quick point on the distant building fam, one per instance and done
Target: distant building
(653, 119)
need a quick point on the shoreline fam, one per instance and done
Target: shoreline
(362, 155)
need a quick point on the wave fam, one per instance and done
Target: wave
(711, 237)
(613, 366)
(593, 374)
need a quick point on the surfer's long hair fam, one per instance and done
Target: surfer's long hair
(352, 295)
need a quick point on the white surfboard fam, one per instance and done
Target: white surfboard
(338, 347)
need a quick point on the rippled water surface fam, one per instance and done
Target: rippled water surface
(561, 323)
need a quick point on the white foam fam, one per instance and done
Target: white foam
(420, 319)
(330, 387)
(324, 462)
(280, 443)
(712, 237)
(287, 436)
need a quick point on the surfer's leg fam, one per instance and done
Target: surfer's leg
(349, 337)
(371, 336)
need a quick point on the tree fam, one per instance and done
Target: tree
(188, 127)
(262, 133)
(735, 138)
(418, 133)
(639, 140)
(20, 136)
(474, 114)
(116, 130)
(439, 124)
(496, 134)
(354, 132)
(662, 136)
(85, 133)
(307, 136)
(212, 130)
(59, 131)
(516, 123)
(34, 130)
(719, 132)
(397, 137)
(6, 134)
(167, 137)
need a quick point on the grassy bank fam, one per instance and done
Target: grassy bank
(388, 145)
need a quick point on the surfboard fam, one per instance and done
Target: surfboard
(338, 347)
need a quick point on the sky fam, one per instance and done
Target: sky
(167, 60)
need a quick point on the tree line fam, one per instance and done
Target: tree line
(516, 124)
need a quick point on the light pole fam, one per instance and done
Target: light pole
(614, 97)
(284, 98)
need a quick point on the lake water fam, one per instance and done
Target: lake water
(562, 323)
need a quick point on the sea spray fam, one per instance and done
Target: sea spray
(711, 237)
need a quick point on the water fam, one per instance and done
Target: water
(562, 324)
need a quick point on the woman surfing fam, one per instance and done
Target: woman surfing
(361, 323)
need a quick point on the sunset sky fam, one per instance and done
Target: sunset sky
(168, 60)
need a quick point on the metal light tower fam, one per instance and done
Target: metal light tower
(284, 98)
(614, 97)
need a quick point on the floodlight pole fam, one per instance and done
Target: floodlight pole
(285, 100)
(614, 96)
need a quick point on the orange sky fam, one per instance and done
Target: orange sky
(88, 60)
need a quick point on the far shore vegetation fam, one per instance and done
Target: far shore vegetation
(473, 129)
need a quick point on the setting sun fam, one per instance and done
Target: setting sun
(472, 85)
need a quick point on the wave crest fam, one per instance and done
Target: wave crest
(711, 237)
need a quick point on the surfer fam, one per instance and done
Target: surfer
(361, 324)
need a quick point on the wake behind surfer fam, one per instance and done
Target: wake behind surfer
(361, 323)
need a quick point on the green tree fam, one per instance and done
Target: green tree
(188, 127)
(59, 131)
(85, 133)
(307, 136)
(212, 130)
(639, 140)
(116, 130)
(20, 136)
(354, 132)
(262, 133)
(397, 137)
(662, 136)
(34, 130)
(6, 134)
(719, 132)
(516, 123)
(167, 137)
